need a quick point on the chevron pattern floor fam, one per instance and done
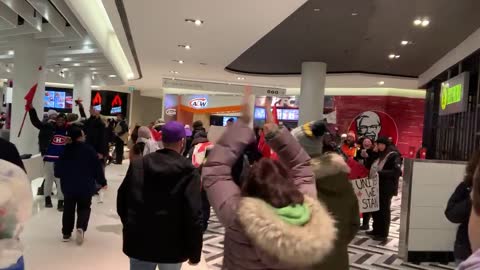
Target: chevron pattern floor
(364, 252)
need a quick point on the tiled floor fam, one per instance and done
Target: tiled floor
(102, 248)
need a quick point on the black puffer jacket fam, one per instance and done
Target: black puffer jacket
(390, 174)
(96, 132)
(159, 203)
(46, 131)
(458, 211)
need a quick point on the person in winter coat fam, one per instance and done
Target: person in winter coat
(458, 210)
(145, 137)
(348, 147)
(334, 189)
(10, 153)
(121, 138)
(273, 221)
(16, 208)
(78, 169)
(473, 262)
(52, 154)
(159, 204)
(388, 166)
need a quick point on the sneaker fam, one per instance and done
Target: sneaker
(67, 238)
(80, 237)
(48, 202)
(60, 206)
(100, 196)
(364, 227)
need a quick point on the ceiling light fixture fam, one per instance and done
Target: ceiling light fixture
(92, 68)
(381, 83)
(76, 64)
(197, 22)
(178, 61)
(8, 70)
(65, 69)
(186, 46)
(423, 22)
(405, 42)
(240, 78)
(130, 76)
(66, 59)
(393, 56)
(316, 9)
(112, 76)
(173, 72)
(11, 52)
(354, 13)
(94, 72)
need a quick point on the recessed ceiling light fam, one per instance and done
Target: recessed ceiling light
(92, 68)
(240, 78)
(391, 56)
(197, 22)
(180, 61)
(423, 22)
(316, 9)
(186, 46)
(8, 70)
(130, 76)
(11, 52)
(66, 59)
(397, 56)
(52, 70)
(381, 83)
(76, 64)
(112, 76)
(405, 42)
(173, 72)
(354, 13)
(64, 69)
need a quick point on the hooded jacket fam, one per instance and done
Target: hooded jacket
(335, 190)
(256, 237)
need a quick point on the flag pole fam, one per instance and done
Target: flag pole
(23, 122)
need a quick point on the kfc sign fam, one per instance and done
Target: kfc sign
(198, 103)
(374, 124)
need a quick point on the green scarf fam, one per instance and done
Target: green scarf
(298, 214)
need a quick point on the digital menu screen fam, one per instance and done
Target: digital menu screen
(259, 113)
(58, 99)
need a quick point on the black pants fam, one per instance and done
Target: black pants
(82, 205)
(205, 211)
(119, 144)
(381, 218)
(366, 219)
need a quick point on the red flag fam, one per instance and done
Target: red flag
(31, 94)
(275, 114)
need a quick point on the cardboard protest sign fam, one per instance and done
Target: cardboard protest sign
(367, 190)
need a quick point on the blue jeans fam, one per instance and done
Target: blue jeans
(142, 265)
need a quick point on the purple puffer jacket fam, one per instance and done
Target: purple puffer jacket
(256, 238)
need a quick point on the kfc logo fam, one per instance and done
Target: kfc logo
(375, 124)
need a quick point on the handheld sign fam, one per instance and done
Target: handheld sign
(367, 191)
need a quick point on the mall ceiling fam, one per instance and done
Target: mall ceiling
(70, 49)
(359, 36)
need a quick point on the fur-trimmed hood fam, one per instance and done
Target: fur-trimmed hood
(300, 246)
(328, 165)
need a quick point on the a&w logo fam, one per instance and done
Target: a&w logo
(59, 140)
(198, 103)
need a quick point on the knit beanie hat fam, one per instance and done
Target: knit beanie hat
(312, 142)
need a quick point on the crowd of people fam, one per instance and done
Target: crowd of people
(283, 196)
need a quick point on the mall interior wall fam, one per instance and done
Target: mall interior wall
(144, 109)
(453, 136)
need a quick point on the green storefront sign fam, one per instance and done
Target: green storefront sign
(454, 95)
(451, 95)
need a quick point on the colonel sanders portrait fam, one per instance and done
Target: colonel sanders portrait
(368, 125)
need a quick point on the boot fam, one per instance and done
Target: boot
(60, 206)
(48, 202)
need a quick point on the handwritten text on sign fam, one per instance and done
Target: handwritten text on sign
(367, 190)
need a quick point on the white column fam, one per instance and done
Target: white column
(312, 92)
(82, 88)
(30, 54)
